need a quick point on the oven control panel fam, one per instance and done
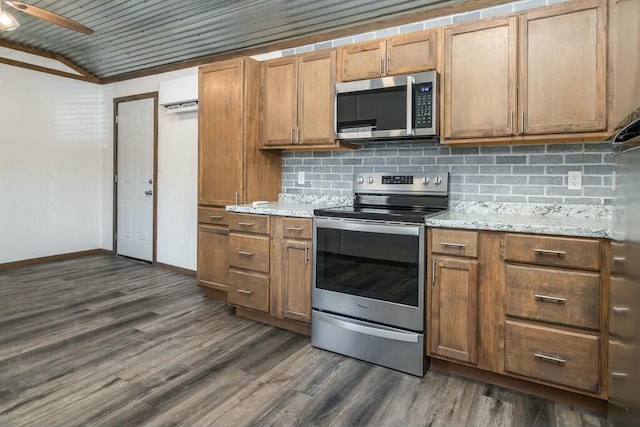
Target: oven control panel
(397, 179)
(422, 183)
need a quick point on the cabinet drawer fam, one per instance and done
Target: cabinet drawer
(624, 315)
(297, 228)
(567, 358)
(249, 290)
(551, 295)
(249, 223)
(454, 242)
(555, 251)
(249, 252)
(623, 373)
(618, 257)
(216, 216)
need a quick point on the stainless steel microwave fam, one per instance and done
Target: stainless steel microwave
(387, 108)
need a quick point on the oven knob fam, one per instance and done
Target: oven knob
(360, 179)
(370, 180)
(425, 180)
(437, 180)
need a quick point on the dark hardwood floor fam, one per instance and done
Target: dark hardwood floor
(102, 340)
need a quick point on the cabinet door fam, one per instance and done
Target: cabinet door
(411, 53)
(563, 69)
(316, 83)
(480, 79)
(213, 260)
(362, 61)
(454, 309)
(221, 133)
(278, 101)
(296, 276)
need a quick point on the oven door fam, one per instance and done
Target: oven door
(370, 270)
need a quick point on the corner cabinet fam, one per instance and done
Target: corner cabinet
(231, 168)
(297, 102)
(536, 76)
(410, 53)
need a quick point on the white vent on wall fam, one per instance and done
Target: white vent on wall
(179, 95)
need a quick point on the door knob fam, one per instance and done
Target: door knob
(150, 180)
(148, 193)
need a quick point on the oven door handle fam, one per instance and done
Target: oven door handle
(368, 330)
(368, 226)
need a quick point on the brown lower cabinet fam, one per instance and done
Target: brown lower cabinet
(213, 241)
(270, 267)
(524, 308)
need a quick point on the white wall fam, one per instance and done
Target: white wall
(51, 143)
(177, 173)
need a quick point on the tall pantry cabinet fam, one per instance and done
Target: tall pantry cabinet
(231, 168)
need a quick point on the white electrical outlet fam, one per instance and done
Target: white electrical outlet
(575, 180)
(301, 177)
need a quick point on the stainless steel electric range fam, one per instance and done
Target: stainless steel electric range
(369, 269)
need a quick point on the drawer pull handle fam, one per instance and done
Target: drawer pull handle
(245, 292)
(619, 259)
(215, 216)
(619, 374)
(243, 253)
(548, 252)
(549, 358)
(453, 245)
(551, 299)
(246, 224)
(620, 309)
(298, 229)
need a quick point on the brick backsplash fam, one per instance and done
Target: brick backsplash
(526, 173)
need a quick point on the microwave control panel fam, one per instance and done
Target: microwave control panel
(423, 105)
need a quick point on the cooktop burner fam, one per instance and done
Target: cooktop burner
(401, 198)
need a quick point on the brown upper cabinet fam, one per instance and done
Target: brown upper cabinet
(480, 79)
(231, 168)
(520, 77)
(297, 102)
(409, 53)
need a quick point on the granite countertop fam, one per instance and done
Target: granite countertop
(535, 218)
(301, 206)
(557, 219)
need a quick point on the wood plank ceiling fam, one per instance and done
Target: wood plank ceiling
(135, 37)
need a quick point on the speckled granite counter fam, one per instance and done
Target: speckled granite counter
(293, 205)
(536, 218)
(557, 219)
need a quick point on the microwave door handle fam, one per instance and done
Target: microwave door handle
(410, 82)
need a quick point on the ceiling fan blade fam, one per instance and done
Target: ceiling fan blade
(48, 16)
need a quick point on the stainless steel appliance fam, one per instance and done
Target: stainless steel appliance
(369, 268)
(388, 107)
(624, 298)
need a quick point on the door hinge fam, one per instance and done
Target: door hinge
(116, 119)
(115, 178)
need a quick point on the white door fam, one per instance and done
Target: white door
(136, 130)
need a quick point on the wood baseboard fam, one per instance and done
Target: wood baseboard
(589, 403)
(52, 258)
(176, 269)
(290, 325)
(214, 293)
